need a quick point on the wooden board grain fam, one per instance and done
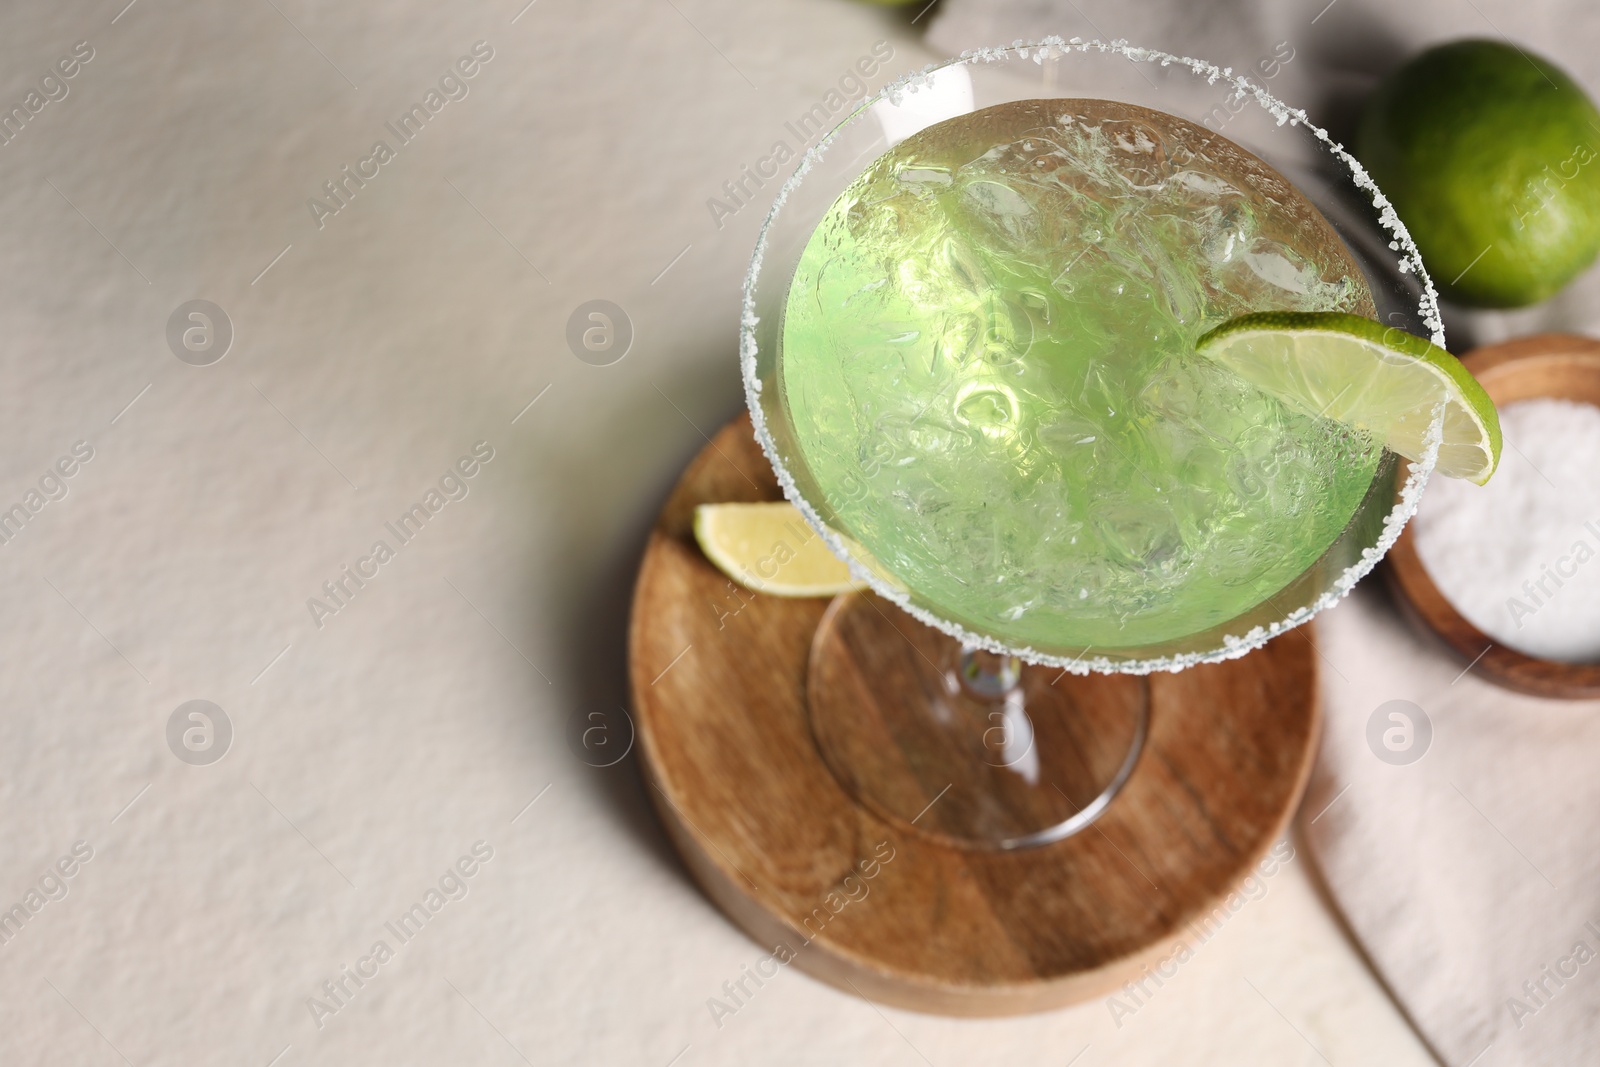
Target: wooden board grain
(718, 678)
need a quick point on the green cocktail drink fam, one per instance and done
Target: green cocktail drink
(987, 360)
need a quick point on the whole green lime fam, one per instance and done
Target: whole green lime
(1491, 157)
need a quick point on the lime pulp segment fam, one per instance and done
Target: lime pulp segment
(1362, 373)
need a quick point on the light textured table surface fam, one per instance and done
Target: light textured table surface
(375, 745)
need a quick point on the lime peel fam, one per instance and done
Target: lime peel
(1362, 373)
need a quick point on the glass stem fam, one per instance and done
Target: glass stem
(988, 675)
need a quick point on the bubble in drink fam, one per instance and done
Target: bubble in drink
(987, 357)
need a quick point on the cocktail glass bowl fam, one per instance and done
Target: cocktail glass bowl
(924, 718)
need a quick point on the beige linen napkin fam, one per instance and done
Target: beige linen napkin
(1461, 848)
(1457, 825)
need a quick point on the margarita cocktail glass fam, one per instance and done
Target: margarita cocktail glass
(968, 352)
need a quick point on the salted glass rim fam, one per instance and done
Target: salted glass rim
(1049, 49)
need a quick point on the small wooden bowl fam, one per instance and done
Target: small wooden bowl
(1544, 365)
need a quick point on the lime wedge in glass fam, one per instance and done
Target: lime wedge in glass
(1365, 374)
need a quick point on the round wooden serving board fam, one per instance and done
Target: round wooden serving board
(718, 677)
